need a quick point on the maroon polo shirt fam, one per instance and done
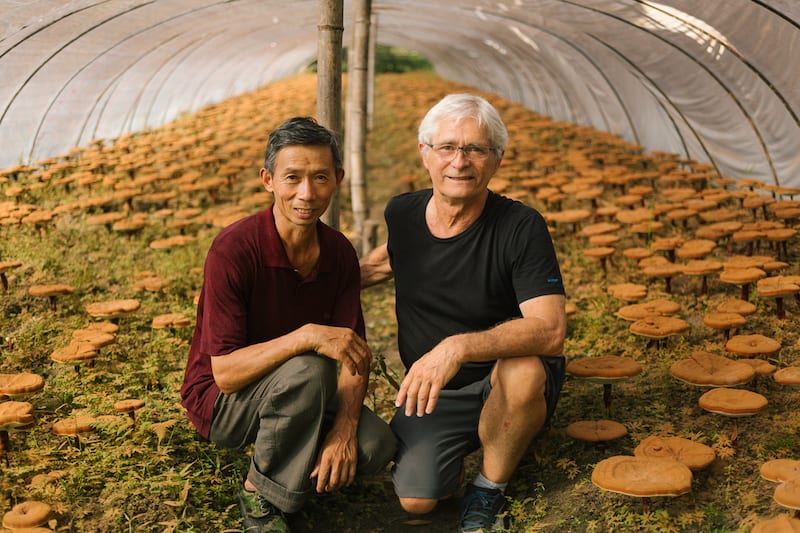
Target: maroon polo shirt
(252, 294)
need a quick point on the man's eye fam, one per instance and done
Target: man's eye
(476, 149)
(446, 148)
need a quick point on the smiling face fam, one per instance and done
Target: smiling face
(460, 179)
(302, 184)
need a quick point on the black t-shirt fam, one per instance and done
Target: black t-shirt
(470, 282)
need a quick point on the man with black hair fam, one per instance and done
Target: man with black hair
(278, 312)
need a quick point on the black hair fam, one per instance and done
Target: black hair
(303, 131)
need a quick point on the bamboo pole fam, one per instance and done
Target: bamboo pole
(329, 81)
(373, 39)
(356, 130)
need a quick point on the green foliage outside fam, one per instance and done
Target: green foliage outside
(390, 59)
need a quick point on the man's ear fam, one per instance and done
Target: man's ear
(421, 147)
(339, 176)
(499, 160)
(266, 179)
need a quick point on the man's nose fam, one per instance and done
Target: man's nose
(460, 158)
(305, 189)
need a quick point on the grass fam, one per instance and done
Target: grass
(159, 476)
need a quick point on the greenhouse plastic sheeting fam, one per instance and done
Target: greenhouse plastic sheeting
(716, 81)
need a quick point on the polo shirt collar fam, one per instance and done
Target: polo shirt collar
(274, 253)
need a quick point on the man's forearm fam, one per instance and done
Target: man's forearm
(350, 393)
(375, 267)
(514, 338)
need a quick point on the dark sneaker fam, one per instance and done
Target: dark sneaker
(479, 510)
(259, 515)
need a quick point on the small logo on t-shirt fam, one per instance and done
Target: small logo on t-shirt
(553, 280)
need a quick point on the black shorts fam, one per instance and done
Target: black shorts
(432, 448)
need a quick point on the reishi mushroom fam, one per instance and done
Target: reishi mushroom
(598, 432)
(706, 369)
(605, 369)
(789, 375)
(777, 288)
(13, 416)
(76, 354)
(18, 386)
(744, 277)
(693, 454)
(173, 320)
(628, 291)
(73, 427)
(5, 266)
(27, 514)
(787, 494)
(779, 524)
(51, 291)
(752, 345)
(129, 406)
(112, 308)
(659, 327)
(642, 477)
(733, 403)
(779, 470)
(724, 321)
(656, 307)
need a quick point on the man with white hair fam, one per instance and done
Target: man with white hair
(481, 319)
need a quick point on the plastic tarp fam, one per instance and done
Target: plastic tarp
(715, 81)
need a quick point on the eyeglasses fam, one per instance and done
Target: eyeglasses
(473, 152)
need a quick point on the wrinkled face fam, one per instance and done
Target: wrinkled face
(460, 177)
(303, 183)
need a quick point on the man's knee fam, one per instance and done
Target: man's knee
(521, 379)
(313, 374)
(418, 505)
(377, 444)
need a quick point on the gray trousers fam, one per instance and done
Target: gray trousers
(286, 415)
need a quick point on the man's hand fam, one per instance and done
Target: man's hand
(342, 344)
(336, 462)
(420, 389)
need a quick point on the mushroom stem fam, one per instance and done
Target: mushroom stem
(607, 397)
(781, 309)
(4, 281)
(646, 505)
(4, 445)
(52, 300)
(734, 432)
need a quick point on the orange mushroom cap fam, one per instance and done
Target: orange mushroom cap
(596, 430)
(693, 454)
(604, 368)
(642, 476)
(780, 470)
(732, 402)
(708, 369)
(20, 384)
(125, 406)
(27, 514)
